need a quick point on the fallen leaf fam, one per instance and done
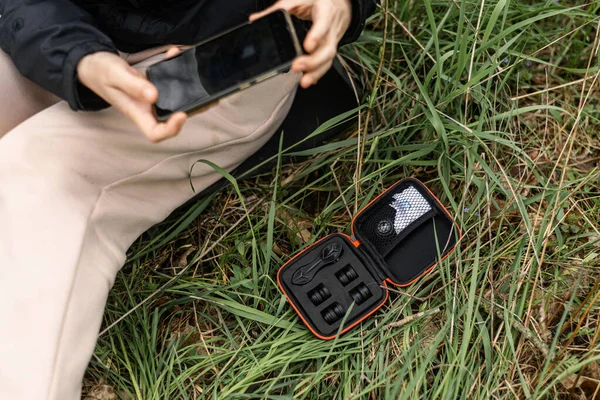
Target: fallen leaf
(101, 392)
(182, 262)
(304, 235)
(587, 381)
(277, 250)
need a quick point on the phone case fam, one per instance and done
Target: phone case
(284, 67)
(397, 238)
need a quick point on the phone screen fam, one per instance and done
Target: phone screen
(199, 75)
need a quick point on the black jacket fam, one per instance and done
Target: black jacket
(47, 38)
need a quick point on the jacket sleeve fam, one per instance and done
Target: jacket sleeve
(361, 10)
(46, 39)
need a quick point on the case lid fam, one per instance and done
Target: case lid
(406, 230)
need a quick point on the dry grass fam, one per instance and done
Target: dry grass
(498, 113)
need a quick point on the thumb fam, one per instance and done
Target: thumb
(287, 5)
(172, 52)
(134, 83)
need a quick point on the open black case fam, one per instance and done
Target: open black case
(400, 236)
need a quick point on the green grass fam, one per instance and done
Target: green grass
(495, 106)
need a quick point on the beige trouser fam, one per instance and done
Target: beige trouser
(76, 189)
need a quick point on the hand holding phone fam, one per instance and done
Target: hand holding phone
(231, 61)
(128, 90)
(331, 19)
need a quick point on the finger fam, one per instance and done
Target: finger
(168, 129)
(287, 5)
(266, 11)
(320, 28)
(138, 112)
(141, 115)
(172, 52)
(313, 77)
(132, 82)
(323, 55)
(306, 82)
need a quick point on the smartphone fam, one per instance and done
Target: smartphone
(232, 61)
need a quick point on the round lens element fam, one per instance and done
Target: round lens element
(384, 227)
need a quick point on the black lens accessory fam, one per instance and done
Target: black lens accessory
(330, 254)
(361, 293)
(319, 294)
(346, 275)
(333, 313)
(385, 227)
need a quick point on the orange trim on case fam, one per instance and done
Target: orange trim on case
(443, 208)
(346, 329)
